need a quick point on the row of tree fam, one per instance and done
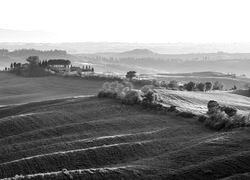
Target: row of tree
(34, 67)
(192, 86)
(174, 85)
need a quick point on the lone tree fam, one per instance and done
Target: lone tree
(130, 75)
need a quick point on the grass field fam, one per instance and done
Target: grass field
(103, 139)
(15, 89)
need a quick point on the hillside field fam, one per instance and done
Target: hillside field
(196, 102)
(15, 89)
(96, 138)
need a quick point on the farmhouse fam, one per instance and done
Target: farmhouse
(59, 63)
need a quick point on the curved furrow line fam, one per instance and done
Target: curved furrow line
(83, 140)
(82, 143)
(72, 151)
(111, 173)
(82, 158)
(114, 123)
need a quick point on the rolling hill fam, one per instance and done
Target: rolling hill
(17, 90)
(59, 137)
(147, 61)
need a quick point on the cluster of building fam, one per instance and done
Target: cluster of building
(64, 66)
(55, 66)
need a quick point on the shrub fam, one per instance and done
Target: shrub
(238, 120)
(145, 89)
(213, 107)
(106, 91)
(225, 117)
(149, 98)
(230, 111)
(115, 89)
(217, 120)
(173, 85)
(128, 84)
(132, 97)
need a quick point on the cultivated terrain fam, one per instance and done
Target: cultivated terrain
(43, 130)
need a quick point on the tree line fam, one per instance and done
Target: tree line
(174, 85)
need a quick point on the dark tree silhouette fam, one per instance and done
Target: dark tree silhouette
(190, 86)
(201, 86)
(130, 75)
(209, 86)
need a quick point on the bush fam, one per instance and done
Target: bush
(145, 89)
(149, 98)
(132, 97)
(225, 117)
(217, 120)
(115, 89)
(173, 85)
(230, 111)
(213, 107)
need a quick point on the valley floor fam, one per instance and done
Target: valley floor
(103, 139)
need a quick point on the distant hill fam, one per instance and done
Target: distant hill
(139, 53)
(117, 47)
(147, 61)
(140, 59)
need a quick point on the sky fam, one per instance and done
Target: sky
(135, 21)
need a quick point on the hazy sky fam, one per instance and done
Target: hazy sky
(146, 21)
